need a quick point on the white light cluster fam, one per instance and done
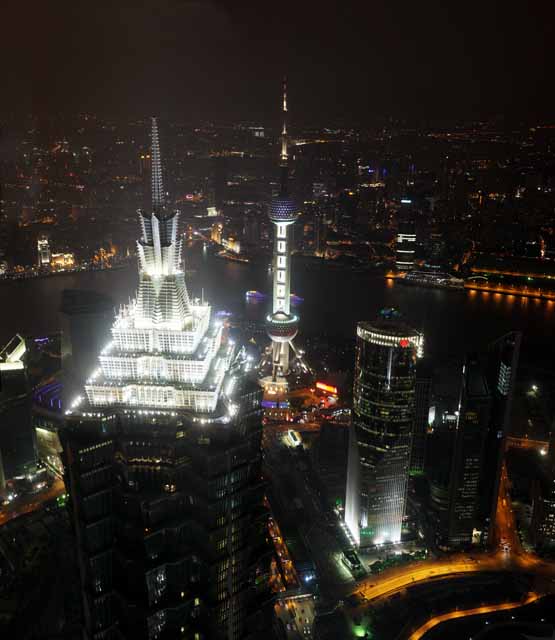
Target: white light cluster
(387, 340)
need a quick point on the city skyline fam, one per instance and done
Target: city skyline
(311, 393)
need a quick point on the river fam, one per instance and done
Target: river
(334, 300)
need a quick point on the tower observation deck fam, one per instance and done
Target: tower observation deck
(281, 323)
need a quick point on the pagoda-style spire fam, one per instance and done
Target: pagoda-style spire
(156, 167)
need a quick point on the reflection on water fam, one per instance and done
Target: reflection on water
(334, 300)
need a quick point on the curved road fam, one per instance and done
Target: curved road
(463, 613)
(516, 559)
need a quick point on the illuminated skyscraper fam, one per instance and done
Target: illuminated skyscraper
(162, 462)
(383, 417)
(406, 238)
(43, 252)
(282, 325)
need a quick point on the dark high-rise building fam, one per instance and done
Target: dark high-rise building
(329, 456)
(16, 435)
(468, 454)
(86, 318)
(543, 518)
(383, 418)
(467, 447)
(502, 362)
(163, 463)
(251, 228)
(422, 411)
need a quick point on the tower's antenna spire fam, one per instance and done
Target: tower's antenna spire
(156, 164)
(284, 156)
(284, 153)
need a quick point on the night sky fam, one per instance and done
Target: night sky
(347, 61)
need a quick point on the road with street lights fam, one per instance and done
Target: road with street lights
(463, 613)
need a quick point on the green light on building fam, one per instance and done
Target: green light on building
(61, 501)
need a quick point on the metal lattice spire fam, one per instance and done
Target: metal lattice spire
(156, 164)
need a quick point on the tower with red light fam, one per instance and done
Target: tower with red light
(384, 403)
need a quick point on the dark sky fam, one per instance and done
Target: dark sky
(349, 60)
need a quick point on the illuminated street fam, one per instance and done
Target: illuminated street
(30, 503)
(288, 573)
(462, 613)
(516, 559)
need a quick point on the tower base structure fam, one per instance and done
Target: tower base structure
(278, 385)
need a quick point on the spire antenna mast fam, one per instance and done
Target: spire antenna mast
(284, 150)
(156, 164)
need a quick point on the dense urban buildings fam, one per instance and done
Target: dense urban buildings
(172, 468)
(162, 462)
(384, 407)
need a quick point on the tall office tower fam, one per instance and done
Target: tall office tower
(502, 363)
(406, 237)
(251, 228)
(86, 320)
(440, 447)
(163, 462)
(282, 325)
(468, 454)
(383, 417)
(422, 410)
(543, 517)
(16, 435)
(43, 252)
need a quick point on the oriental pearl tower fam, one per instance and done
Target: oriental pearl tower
(281, 324)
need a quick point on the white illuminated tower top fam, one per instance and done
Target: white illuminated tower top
(165, 351)
(282, 325)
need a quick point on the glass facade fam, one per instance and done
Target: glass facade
(383, 418)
